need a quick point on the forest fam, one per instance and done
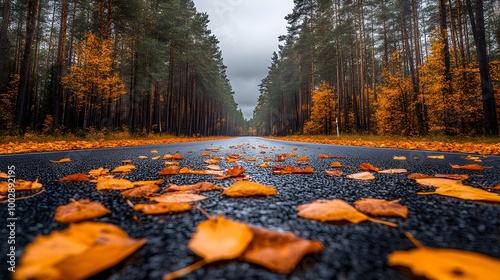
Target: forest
(397, 67)
(142, 66)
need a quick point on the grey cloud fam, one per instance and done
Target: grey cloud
(248, 32)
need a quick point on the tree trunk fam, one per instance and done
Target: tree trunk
(24, 75)
(4, 44)
(476, 16)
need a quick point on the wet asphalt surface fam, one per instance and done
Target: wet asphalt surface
(351, 251)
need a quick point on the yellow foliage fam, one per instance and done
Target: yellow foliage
(323, 111)
(92, 74)
(8, 103)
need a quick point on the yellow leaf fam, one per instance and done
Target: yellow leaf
(435, 263)
(246, 189)
(436, 157)
(114, 184)
(63, 160)
(124, 168)
(466, 193)
(399, 158)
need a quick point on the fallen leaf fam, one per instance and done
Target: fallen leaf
(213, 167)
(460, 177)
(393, 171)
(220, 239)
(323, 156)
(79, 177)
(292, 170)
(172, 163)
(232, 172)
(381, 207)
(78, 252)
(247, 189)
(437, 182)
(142, 157)
(4, 175)
(177, 198)
(186, 170)
(364, 176)
(156, 158)
(78, 211)
(473, 167)
(169, 170)
(334, 173)
(399, 158)
(251, 159)
(471, 158)
(21, 185)
(368, 167)
(279, 252)
(335, 210)
(196, 188)
(63, 160)
(154, 151)
(147, 182)
(205, 154)
(263, 165)
(162, 208)
(175, 156)
(98, 172)
(437, 263)
(336, 165)
(126, 161)
(436, 157)
(211, 161)
(415, 176)
(465, 192)
(124, 168)
(142, 191)
(114, 184)
(302, 158)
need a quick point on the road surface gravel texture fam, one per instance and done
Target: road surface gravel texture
(351, 251)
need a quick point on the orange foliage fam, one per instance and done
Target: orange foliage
(323, 111)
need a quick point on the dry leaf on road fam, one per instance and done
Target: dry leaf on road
(381, 207)
(124, 168)
(247, 189)
(63, 160)
(195, 188)
(78, 211)
(21, 185)
(279, 252)
(393, 171)
(169, 170)
(178, 198)
(364, 176)
(114, 184)
(334, 173)
(78, 177)
(335, 210)
(142, 191)
(163, 208)
(368, 167)
(78, 252)
(472, 167)
(465, 192)
(437, 263)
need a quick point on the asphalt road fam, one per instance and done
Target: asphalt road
(351, 251)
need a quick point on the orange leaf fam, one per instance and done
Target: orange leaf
(460, 177)
(323, 156)
(21, 185)
(368, 167)
(415, 176)
(142, 191)
(334, 173)
(220, 239)
(172, 163)
(335, 210)
(142, 157)
(178, 198)
(473, 167)
(279, 252)
(437, 263)
(399, 158)
(393, 171)
(437, 182)
(79, 177)
(169, 170)
(465, 192)
(234, 171)
(124, 168)
(176, 156)
(114, 184)
(205, 154)
(196, 188)
(98, 172)
(364, 176)
(78, 211)
(381, 207)
(63, 160)
(436, 157)
(186, 170)
(78, 252)
(246, 189)
(302, 158)
(336, 165)
(4, 175)
(162, 208)
(291, 169)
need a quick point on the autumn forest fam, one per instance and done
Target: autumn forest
(399, 67)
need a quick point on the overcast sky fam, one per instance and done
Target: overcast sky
(248, 32)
